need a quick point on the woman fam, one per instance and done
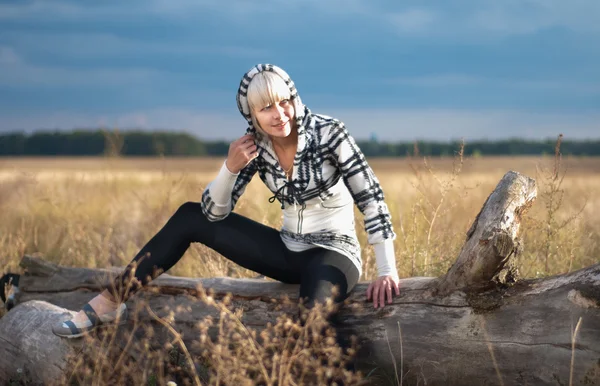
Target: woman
(314, 169)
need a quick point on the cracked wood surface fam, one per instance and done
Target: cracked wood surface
(492, 238)
(28, 352)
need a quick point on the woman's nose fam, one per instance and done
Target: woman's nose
(279, 112)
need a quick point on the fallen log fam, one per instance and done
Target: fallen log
(29, 354)
(475, 325)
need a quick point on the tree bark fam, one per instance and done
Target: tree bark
(28, 353)
(492, 239)
(475, 325)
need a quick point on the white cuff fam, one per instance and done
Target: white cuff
(221, 187)
(386, 259)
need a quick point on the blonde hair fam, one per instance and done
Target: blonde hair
(266, 88)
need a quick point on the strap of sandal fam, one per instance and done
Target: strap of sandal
(74, 329)
(91, 314)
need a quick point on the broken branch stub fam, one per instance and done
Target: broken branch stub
(492, 238)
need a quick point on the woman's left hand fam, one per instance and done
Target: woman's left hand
(382, 288)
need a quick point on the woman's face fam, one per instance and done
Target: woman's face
(276, 119)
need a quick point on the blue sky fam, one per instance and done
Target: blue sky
(404, 70)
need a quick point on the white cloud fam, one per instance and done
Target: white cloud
(455, 17)
(472, 20)
(204, 124)
(243, 8)
(437, 80)
(445, 124)
(65, 10)
(571, 87)
(387, 124)
(8, 56)
(62, 10)
(41, 9)
(484, 19)
(413, 20)
(15, 71)
(19, 74)
(567, 87)
(527, 16)
(99, 45)
(500, 19)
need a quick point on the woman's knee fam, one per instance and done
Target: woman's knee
(187, 218)
(189, 207)
(328, 275)
(189, 212)
(323, 283)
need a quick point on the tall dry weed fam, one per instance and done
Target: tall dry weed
(554, 233)
(101, 216)
(424, 230)
(296, 349)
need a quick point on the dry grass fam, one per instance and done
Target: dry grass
(299, 350)
(99, 212)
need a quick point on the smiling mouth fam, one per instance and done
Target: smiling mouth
(281, 125)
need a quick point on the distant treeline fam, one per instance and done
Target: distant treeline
(146, 143)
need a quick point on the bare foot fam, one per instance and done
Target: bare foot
(102, 304)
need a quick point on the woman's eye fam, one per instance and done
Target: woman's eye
(266, 107)
(284, 101)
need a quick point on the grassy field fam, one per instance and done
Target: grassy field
(98, 212)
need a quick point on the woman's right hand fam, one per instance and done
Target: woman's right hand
(241, 152)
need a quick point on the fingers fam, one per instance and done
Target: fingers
(382, 288)
(250, 145)
(243, 139)
(244, 145)
(246, 138)
(375, 294)
(241, 152)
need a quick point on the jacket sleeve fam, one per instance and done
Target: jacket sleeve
(221, 195)
(362, 184)
(366, 191)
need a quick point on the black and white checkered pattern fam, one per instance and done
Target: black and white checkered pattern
(326, 153)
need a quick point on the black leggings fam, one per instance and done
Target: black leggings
(245, 242)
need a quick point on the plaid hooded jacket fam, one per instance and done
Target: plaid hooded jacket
(330, 174)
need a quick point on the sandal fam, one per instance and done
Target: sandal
(70, 329)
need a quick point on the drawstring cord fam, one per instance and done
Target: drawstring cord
(280, 195)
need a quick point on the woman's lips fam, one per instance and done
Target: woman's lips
(280, 126)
